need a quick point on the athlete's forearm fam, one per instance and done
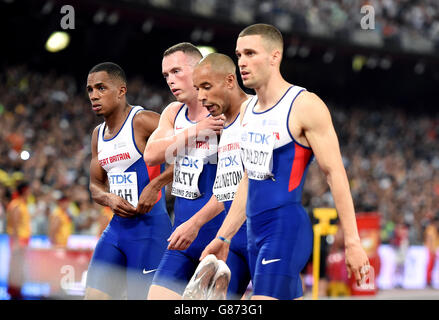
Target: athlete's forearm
(339, 186)
(99, 193)
(210, 210)
(163, 179)
(236, 215)
(158, 151)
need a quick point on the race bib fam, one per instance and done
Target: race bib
(257, 154)
(124, 184)
(228, 175)
(187, 171)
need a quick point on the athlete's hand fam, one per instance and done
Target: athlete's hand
(217, 247)
(357, 262)
(147, 199)
(212, 123)
(121, 207)
(183, 236)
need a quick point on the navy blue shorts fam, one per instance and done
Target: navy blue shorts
(279, 243)
(178, 266)
(127, 255)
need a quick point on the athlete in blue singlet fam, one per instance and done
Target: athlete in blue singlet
(129, 250)
(187, 137)
(218, 90)
(189, 133)
(283, 128)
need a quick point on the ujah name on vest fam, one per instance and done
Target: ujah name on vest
(118, 157)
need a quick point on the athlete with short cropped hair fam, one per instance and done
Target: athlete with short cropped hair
(129, 250)
(187, 136)
(218, 90)
(283, 128)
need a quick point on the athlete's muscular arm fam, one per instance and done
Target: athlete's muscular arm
(99, 188)
(231, 224)
(150, 193)
(164, 143)
(144, 124)
(162, 137)
(313, 118)
(185, 234)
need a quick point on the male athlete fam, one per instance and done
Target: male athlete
(283, 128)
(130, 248)
(215, 79)
(186, 136)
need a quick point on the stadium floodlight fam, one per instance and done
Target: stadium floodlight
(358, 62)
(372, 62)
(386, 63)
(99, 16)
(304, 51)
(419, 68)
(329, 56)
(57, 41)
(24, 155)
(147, 25)
(205, 50)
(113, 18)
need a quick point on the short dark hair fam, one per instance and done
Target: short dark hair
(185, 47)
(266, 31)
(113, 70)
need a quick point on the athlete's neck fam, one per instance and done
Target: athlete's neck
(236, 101)
(115, 120)
(196, 111)
(270, 92)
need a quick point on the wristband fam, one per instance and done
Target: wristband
(224, 239)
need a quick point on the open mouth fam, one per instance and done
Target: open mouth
(244, 74)
(176, 91)
(96, 107)
(210, 107)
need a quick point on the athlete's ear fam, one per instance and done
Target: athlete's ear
(230, 80)
(276, 57)
(122, 91)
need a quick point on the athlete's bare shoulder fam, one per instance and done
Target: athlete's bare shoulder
(146, 115)
(95, 132)
(146, 121)
(172, 109)
(309, 109)
(170, 112)
(94, 139)
(244, 106)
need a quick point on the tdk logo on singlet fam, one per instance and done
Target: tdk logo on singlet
(189, 163)
(258, 138)
(120, 179)
(228, 162)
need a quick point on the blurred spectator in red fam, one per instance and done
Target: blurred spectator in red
(18, 228)
(431, 241)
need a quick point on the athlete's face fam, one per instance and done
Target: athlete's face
(253, 60)
(105, 93)
(177, 70)
(212, 89)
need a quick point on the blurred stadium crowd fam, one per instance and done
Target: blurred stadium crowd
(398, 23)
(390, 155)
